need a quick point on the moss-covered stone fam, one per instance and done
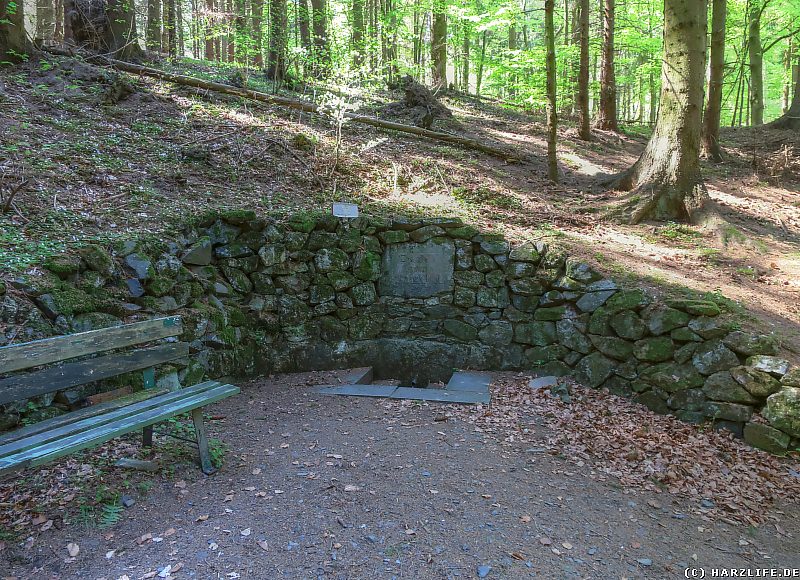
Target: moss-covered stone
(539, 333)
(750, 344)
(525, 253)
(758, 383)
(627, 324)
(366, 326)
(612, 347)
(695, 307)
(367, 265)
(661, 319)
(652, 401)
(654, 349)
(364, 294)
(497, 333)
(426, 233)
(63, 265)
(98, 259)
(721, 411)
(160, 285)
(783, 411)
(593, 369)
(627, 300)
(484, 263)
(712, 357)
(468, 279)
(721, 386)
(302, 223)
(766, 438)
(460, 330)
(570, 334)
(553, 313)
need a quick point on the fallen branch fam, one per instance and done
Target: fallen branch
(496, 150)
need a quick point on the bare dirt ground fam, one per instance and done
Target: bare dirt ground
(341, 487)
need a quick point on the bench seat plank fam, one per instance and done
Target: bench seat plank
(49, 350)
(111, 416)
(101, 433)
(65, 376)
(77, 415)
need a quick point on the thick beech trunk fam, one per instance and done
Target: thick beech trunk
(711, 118)
(257, 17)
(607, 111)
(666, 180)
(357, 14)
(552, 115)
(121, 38)
(791, 119)
(755, 53)
(13, 42)
(584, 115)
(304, 24)
(153, 29)
(45, 21)
(439, 45)
(319, 21)
(278, 40)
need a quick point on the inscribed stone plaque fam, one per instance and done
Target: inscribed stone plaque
(414, 270)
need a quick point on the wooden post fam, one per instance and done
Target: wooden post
(202, 442)
(149, 381)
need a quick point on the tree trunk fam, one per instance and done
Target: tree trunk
(121, 38)
(13, 42)
(45, 21)
(170, 28)
(439, 45)
(357, 14)
(512, 47)
(304, 24)
(481, 60)
(711, 119)
(791, 118)
(584, 122)
(153, 29)
(607, 112)
(257, 18)
(465, 60)
(552, 115)
(755, 53)
(319, 21)
(666, 180)
(278, 40)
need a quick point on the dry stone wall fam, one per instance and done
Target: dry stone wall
(414, 299)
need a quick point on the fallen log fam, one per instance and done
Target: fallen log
(296, 104)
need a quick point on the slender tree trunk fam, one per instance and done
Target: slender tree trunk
(153, 30)
(607, 112)
(584, 115)
(13, 42)
(512, 48)
(319, 18)
(45, 21)
(357, 13)
(756, 54)
(552, 114)
(788, 59)
(58, 34)
(278, 41)
(465, 60)
(711, 118)
(481, 60)
(666, 179)
(121, 38)
(439, 45)
(179, 28)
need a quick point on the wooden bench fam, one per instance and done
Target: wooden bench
(90, 426)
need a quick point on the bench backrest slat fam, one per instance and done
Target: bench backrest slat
(65, 376)
(61, 348)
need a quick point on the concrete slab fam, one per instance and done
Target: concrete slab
(360, 376)
(469, 381)
(543, 383)
(440, 395)
(358, 390)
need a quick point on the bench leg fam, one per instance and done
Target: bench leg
(147, 436)
(202, 442)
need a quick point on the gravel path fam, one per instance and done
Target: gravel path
(344, 487)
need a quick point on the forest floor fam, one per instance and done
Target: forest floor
(99, 163)
(315, 486)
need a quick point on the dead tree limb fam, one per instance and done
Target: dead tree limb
(495, 150)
